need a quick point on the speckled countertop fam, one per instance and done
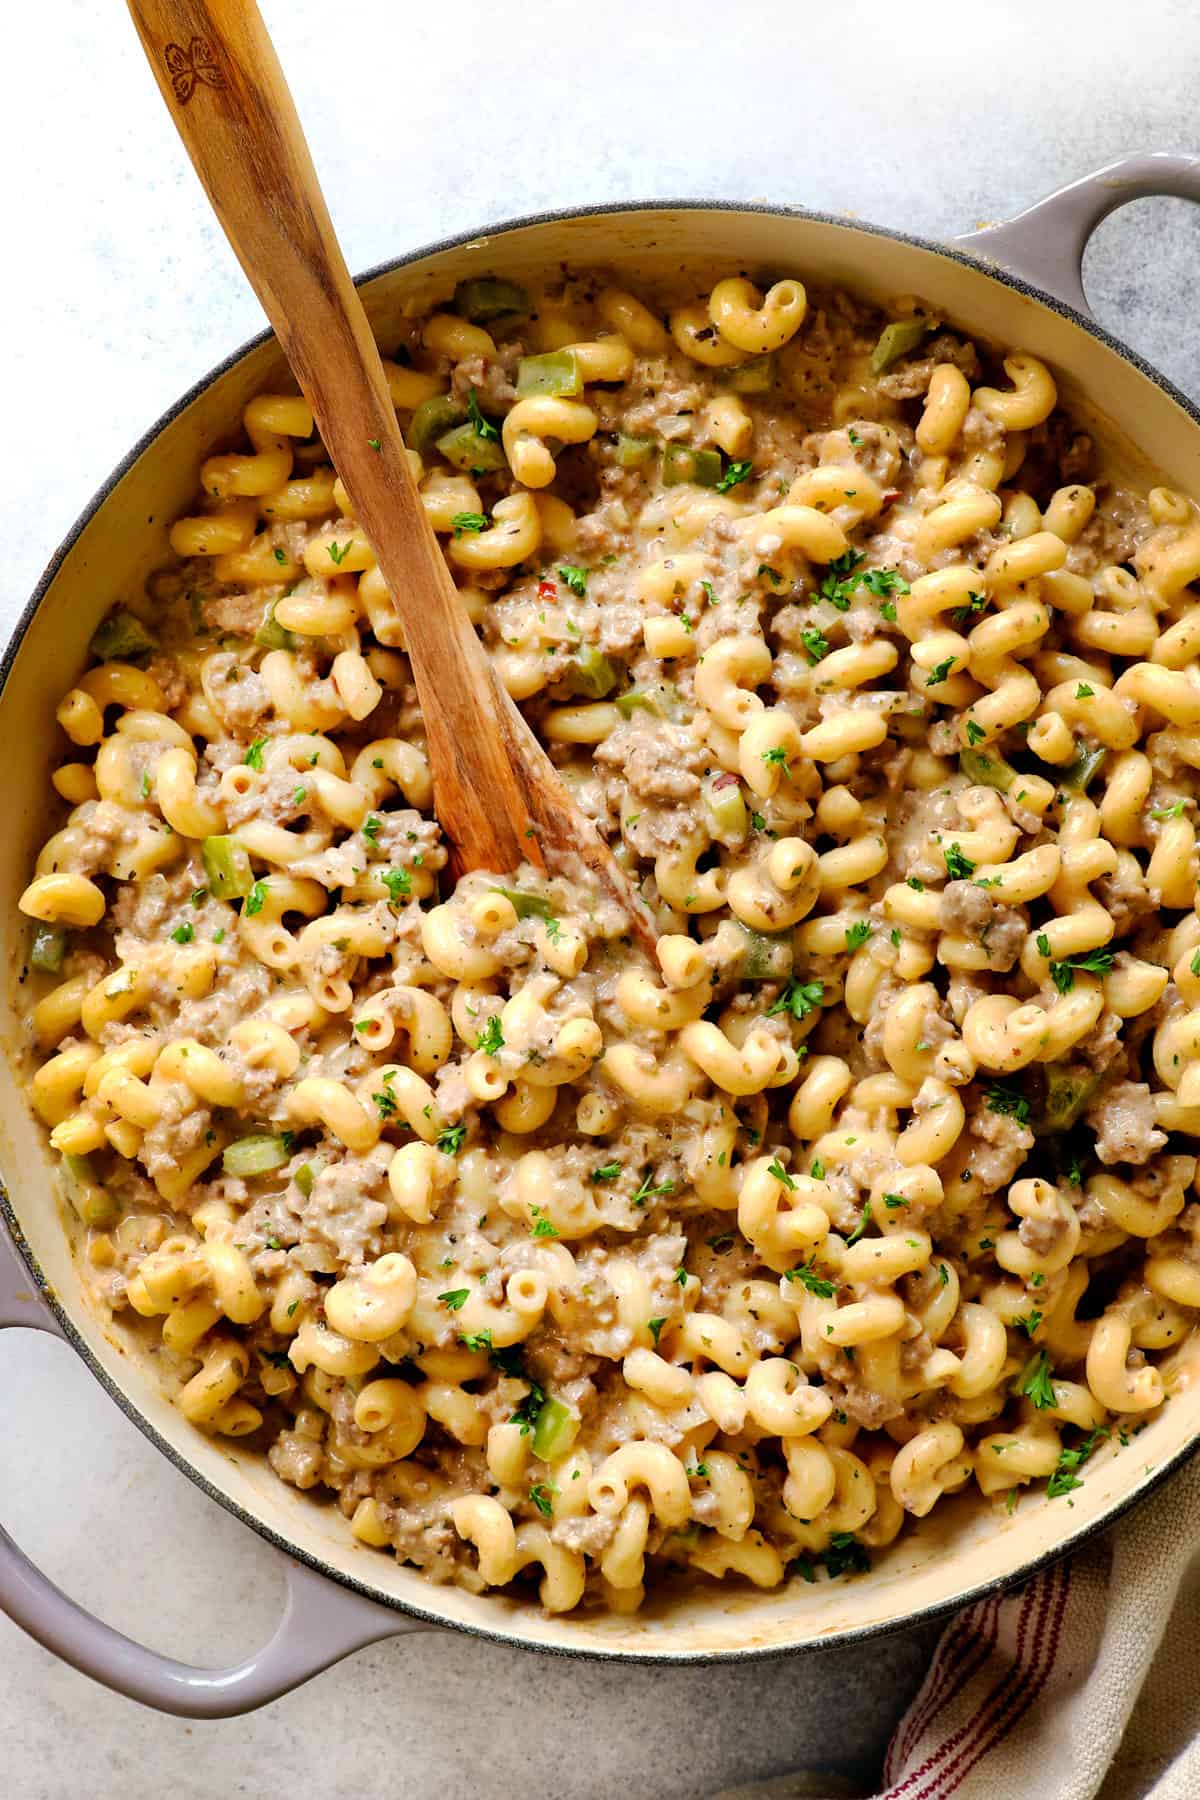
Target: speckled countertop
(118, 292)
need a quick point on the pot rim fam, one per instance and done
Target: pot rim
(852, 1636)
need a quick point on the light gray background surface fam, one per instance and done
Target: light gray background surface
(118, 292)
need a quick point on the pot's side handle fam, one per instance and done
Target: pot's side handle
(1046, 242)
(321, 1621)
(20, 1301)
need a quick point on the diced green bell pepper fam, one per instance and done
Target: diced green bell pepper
(556, 372)
(485, 297)
(633, 452)
(1069, 1090)
(556, 1430)
(431, 420)
(476, 455)
(769, 955)
(897, 340)
(255, 1155)
(1086, 766)
(227, 867)
(47, 948)
(122, 638)
(273, 636)
(988, 768)
(91, 1202)
(753, 377)
(526, 906)
(680, 463)
(591, 674)
(725, 807)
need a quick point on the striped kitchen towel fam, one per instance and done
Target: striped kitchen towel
(1083, 1685)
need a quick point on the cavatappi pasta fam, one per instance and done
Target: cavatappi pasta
(878, 1185)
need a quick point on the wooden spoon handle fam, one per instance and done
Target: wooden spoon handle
(498, 796)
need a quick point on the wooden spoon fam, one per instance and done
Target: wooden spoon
(498, 796)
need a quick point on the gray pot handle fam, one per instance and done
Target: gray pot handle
(322, 1621)
(1046, 242)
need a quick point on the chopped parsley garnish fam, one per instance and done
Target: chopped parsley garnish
(542, 1494)
(857, 934)
(841, 579)
(450, 1141)
(817, 1169)
(253, 757)
(542, 1227)
(940, 672)
(881, 582)
(808, 1278)
(1083, 691)
(892, 1201)
(607, 1172)
(779, 756)
(816, 644)
(845, 1556)
(575, 578)
(1036, 1381)
(887, 611)
(339, 552)
(918, 887)
(527, 1413)
(798, 998)
(1168, 812)
(371, 827)
(681, 1276)
(648, 1191)
(736, 473)
(976, 604)
(256, 899)
(386, 1104)
(1095, 962)
(183, 934)
(706, 588)
(975, 732)
(654, 1326)
(491, 1038)
(483, 427)
(1064, 1478)
(777, 1169)
(958, 866)
(467, 521)
(454, 1299)
(475, 1340)
(1001, 1099)
(398, 883)
(1030, 1323)
(863, 1221)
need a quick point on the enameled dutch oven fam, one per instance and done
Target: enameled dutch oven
(1016, 284)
